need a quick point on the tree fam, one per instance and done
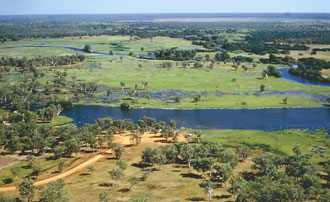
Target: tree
(223, 56)
(209, 188)
(178, 99)
(229, 157)
(122, 84)
(298, 166)
(271, 71)
(104, 197)
(312, 186)
(243, 152)
(36, 168)
(160, 159)
(223, 171)
(197, 98)
(171, 152)
(133, 181)
(87, 48)
(121, 164)
(297, 150)
(144, 84)
(119, 151)
(285, 100)
(61, 165)
(55, 192)
(26, 189)
(187, 153)
(203, 164)
(7, 199)
(15, 171)
(116, 174)
(145, 174)
(147, 155)
(262, 88)
(124, 106)
(266, 165)
(90, 169)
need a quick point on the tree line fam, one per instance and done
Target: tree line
(28, 64)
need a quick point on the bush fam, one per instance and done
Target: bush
(124, 105)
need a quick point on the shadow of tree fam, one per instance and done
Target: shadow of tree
(191, 175)
(140, 165)
(196, 199)
(124, 190)
(106, 184)
(7, 181)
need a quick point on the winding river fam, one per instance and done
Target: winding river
(287, 76)
(250, 119)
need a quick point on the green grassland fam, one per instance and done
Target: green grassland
(118, 44)
(276, 142)
(221, 87)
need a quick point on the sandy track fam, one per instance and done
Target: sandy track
(122, 139)
(62, 175)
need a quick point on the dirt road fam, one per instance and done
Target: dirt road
(122, 139)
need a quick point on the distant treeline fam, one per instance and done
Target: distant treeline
(260, 47)
(172, 54)
(278, 60)
(315, 50)
(41, 61)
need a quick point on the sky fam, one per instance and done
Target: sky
(21, 7)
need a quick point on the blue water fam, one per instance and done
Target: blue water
(251, 119)
(81, 50)
(287, 76)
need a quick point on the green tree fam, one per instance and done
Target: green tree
(243, 152)
(160, 159)
(15, 171)
(26, 189)
(266, 165)
(55, 192)
(262, 88)
(187, 154)
(203, 164)
(133, 181)
(122, 84)
(116, 174)
(312, 186)
(104, 197)
(209, 188)
(229, 157)
(90, 169)
(224, 171)
(119, 150)
(7, 199)
(61, 165)
(122, 164)
(87, 48)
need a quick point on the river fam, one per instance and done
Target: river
(250, 119)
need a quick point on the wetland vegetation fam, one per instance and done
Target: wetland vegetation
(239, 107)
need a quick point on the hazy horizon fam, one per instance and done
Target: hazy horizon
(65, 7)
